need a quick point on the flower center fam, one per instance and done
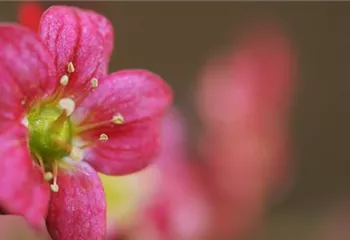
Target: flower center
(53, 137)
(50, 132)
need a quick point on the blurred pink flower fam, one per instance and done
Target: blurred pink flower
(176, 207)
(64, 118)
(16, 228)
(333, 221)
(242, 100)
(29, 14)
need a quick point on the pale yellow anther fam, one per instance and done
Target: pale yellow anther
(94, 82)
(23, 101)
(64, 80)
(76, 154)
(48, 176)
(67, 104)
(103, 137)
(54, 187)
(118, 119)
(70, 67)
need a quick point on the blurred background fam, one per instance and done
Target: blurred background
(174, 39)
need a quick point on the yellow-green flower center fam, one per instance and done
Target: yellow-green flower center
(50, 132)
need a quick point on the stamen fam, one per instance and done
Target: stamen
(23, 101)
(54, 187)
(48, 176)
(59, 92)
(87, 145)
(67, 104)
(76, 154)
(70, 67)
(40, 161)
(94, 82)
(64, 80)
(103, 137)
(116, 119)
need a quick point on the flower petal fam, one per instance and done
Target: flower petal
(141, 97)
(26, 69)
(78, 210)
(135, 94)
(28, 193)
(127, 151)
(84, 38)
(266, 59)
(105, 29)
(243, 99)
(256, 75)
(174, 142)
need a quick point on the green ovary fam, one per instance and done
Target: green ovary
(50, 133)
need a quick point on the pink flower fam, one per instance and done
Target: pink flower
(14, 228)
(243, 102)
(177, 209)
(63, 118)
(173, 207)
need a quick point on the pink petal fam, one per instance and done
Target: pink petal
(247, 92)
(84, 38)
(180, 207)
(26, 69)
(176, 208)
(243, 101)
(173, 152)
(137, 95)
(141, 97)
(23, 189)
(256, 75)
(105, 29)
(130, 149)
(78, 210)
(268, 53)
